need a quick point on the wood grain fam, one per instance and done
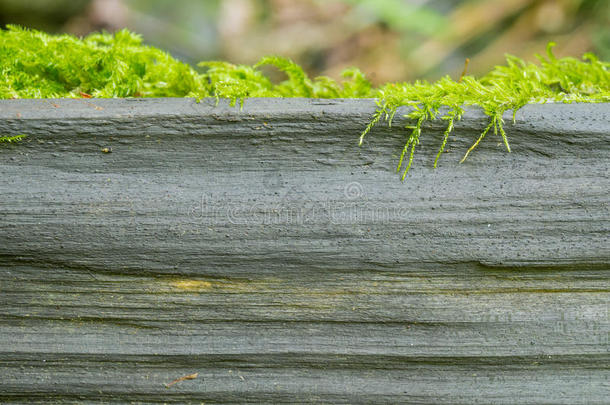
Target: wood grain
(264, 250)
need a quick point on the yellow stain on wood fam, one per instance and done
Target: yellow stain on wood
(191, 285)
(220, 285)
(273, 286)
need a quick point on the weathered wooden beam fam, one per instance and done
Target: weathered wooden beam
(266, 251)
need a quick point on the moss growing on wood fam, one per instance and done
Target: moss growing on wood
(505, 88)
(38, 65)
(11, 139)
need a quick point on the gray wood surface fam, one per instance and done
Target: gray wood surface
(267, 252)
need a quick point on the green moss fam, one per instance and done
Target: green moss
(505, 88)
(11, 139)
(38, 65)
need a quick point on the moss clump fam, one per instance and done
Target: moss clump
(38, 65)
(11, 139)
(508, 87)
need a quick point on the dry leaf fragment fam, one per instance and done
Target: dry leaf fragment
(186, 377)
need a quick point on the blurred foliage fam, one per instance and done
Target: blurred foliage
(388, 39)
(400, 16)
(40, 14)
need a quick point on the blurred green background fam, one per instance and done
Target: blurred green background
(390, 40)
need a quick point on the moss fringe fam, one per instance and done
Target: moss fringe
(38, 65)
